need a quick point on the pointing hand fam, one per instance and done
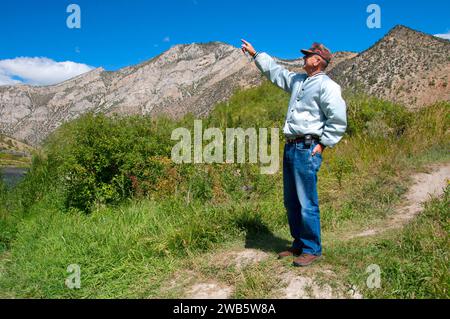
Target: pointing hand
(247, 47)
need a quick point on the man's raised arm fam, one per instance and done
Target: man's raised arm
(273, 71)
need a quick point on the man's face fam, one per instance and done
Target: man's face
(312, 62)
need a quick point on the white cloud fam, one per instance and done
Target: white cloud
(443, 35)
(6, 80)
(38, 71)
(166, 39)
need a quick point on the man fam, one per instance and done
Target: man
(316, 119)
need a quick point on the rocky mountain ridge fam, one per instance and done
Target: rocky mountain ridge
(405, 66)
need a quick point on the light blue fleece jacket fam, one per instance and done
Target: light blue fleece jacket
(316, 105)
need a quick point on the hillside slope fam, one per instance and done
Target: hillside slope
(405, 66)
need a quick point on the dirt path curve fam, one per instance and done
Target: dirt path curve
(426, 185)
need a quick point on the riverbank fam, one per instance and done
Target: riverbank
(11, 176)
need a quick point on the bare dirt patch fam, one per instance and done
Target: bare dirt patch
(313, 283)
(209, 290)
(194, 286)
(239, 258)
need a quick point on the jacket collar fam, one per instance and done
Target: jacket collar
(313, 76)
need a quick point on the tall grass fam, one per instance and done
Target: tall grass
(126, 251)
(8, 218)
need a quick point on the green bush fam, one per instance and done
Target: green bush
(7, 225)
(99, 160)
(376, 117)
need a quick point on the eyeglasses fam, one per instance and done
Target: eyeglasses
(308, 56)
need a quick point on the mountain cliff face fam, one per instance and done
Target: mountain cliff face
(186, 78)
(405, 66)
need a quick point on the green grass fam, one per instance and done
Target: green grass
(117, 249)
(254, 283)
(105, 195)
(110, 247)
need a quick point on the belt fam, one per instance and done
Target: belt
(307, 139)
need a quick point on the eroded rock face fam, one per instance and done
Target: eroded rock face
(186, 78)
(30, 113)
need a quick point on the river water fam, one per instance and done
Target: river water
(12, 175)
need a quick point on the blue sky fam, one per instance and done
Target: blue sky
(118, 33)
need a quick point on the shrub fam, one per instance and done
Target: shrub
(99, 159)
(375, 116)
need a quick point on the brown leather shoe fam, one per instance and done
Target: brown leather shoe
(305, 260)
(291, 252)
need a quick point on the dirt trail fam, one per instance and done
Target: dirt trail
(306, 284)
(426, 185)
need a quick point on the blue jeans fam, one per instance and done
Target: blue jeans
(300, 196)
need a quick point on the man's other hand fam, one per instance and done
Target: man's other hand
(247, 47)
(318, 149)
